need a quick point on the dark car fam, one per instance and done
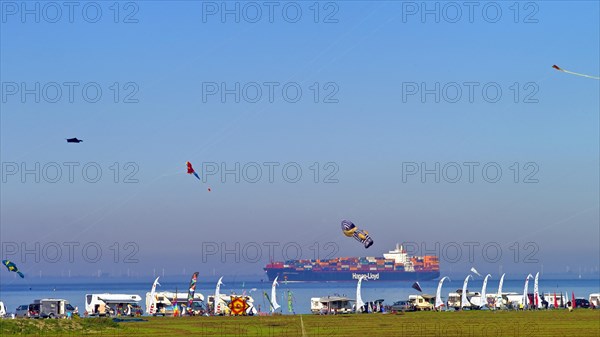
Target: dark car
(403, 306)
(580, 303)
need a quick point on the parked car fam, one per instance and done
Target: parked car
(22, 311)
(403, 306)
(28, 311)
(580, 303)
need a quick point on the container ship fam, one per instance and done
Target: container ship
(393, 266)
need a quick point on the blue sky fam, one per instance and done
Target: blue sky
(371, 54)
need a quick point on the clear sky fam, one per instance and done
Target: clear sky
(368, 129)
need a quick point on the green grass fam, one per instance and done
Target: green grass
(447, 324)
(57, 327)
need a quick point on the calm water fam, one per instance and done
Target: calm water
(14, 294)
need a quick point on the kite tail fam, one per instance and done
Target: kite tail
(196, 174)
(21, 274)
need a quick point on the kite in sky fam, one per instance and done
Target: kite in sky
(474, 271)
(74, 140)
(12, 267)
(574, 73)
(190, 169)
(350, 230)
(417, 287)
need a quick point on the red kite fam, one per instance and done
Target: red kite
(190, 169)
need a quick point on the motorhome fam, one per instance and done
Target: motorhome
(112, 304)
(476, 301)
(331, 305)
(491, 301)
(514, 300)
(595, 300)
(455, 298)
(509, 299)
(164, 302)
(517, 301)
(422, 302)
(53, 308)
(549, 297)
(2, 309)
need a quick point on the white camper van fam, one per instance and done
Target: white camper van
(508, 301)
(112, 304)
(514, 300)
(331, 305)
(422, 302)
(455, 299)
(2, 310)
(560, 298)
(164, 302)
(491, 301)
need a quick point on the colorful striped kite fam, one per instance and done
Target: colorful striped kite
(350, 230)
(191, 291)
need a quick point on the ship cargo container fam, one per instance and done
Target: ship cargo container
(389, 267)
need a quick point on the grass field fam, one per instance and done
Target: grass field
(581, 322)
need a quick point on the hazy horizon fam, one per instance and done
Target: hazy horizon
(435, 132)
